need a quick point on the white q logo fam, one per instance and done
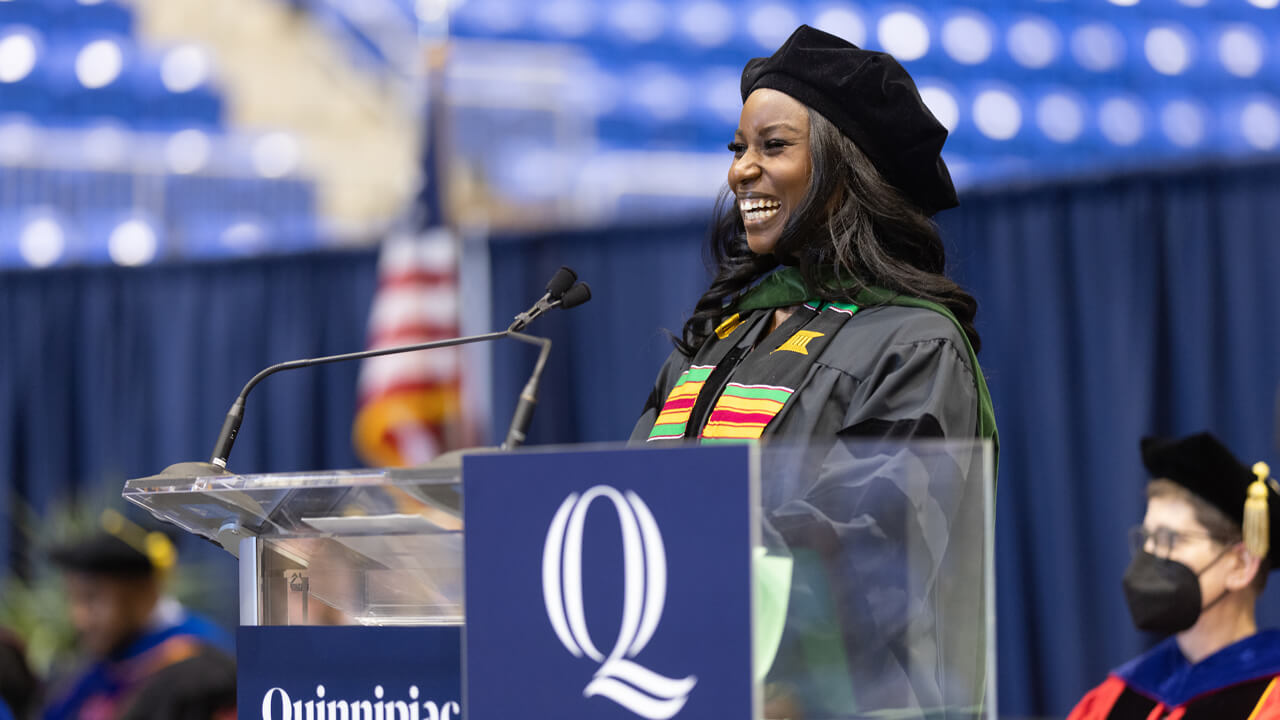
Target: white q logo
(632, 686)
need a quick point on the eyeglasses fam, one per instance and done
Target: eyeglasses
(1162, 541)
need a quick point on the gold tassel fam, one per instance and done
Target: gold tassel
(156, 546)
(1257, 530)
(161, 551)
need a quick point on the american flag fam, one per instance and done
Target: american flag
(409, 404)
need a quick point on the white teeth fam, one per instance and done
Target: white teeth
(757, 209)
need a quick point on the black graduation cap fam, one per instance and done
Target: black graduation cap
(872, 100)
(101, 554)
(1205, 467)
(119, 548)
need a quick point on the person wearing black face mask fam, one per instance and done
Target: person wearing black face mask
(1201, 559)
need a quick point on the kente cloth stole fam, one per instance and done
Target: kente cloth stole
(759, 387)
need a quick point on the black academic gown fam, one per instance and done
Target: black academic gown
(894, 369)
(866, 628)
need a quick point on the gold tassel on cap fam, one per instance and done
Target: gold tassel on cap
(1257, 525)
(155, 545)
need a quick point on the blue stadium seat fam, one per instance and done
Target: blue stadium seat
(33, 238)
(78, 191)
(122, 236)
(24, 71)
(44, 236)
(493, 19)
(189, 194)
(229, 234)
(33, 13)
(102, 16)
(176, 102)
(90, 78)
(27, 187)
(220, 234)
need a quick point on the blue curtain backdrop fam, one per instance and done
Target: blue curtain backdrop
(1109, 309)
(110, 373)
(1112, 310)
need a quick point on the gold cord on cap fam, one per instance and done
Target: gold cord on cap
(1257, 530)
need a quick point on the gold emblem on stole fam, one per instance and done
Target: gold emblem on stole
(799, 342)
(727, 327)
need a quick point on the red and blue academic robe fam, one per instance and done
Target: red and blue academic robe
(1239, 682)
(107, 688)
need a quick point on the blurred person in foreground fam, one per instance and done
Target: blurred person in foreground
(147, 657)
(19, 686)
(831, 325)
(1201, 559)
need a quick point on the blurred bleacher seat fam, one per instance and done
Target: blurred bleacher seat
(543, 97)
(116, 150)
(1031, 89)
(214, 126)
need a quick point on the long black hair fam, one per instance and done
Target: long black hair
(851, 230)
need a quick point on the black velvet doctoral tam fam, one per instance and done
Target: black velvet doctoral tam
(102, 554)
(872, 100)
(1205, 467)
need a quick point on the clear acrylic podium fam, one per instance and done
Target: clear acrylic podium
(873, 586)
(359, 547)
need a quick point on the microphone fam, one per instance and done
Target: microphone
(575, 296)
(569, 296)
(561, 282)
(563, 290)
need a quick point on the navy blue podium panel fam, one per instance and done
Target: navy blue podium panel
(336, 673)
(610, 584)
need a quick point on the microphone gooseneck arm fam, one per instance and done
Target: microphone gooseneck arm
(231, 425)
(529, 395)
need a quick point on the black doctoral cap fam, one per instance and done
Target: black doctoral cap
(872, 100)
(101, 554)
(1206, 468)
(118, 547)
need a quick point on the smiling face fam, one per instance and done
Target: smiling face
(771, 165)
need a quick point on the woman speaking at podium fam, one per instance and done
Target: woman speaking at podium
(830, 313)
(831, 324)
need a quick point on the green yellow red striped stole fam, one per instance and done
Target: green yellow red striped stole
(743, 411)
(675, 413)
(761, 385)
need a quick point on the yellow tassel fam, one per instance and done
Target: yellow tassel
(1257, 530)
(161, 551)
(155, 545)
